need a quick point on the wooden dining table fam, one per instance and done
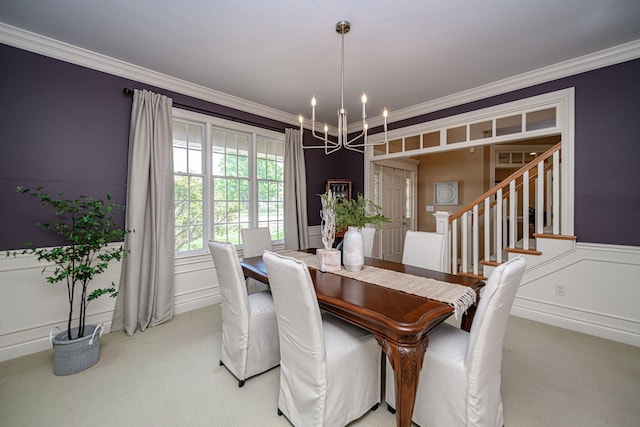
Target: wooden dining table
(400, 321)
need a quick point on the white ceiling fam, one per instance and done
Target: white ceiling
(280, 53)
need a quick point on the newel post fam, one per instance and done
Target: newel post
(442, 227)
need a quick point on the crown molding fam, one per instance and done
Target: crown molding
(52, 48)
(55, 49)
(592, 61)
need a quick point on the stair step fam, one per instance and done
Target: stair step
(490, 263)
(523, 251)
(554, 236)
(475, 276)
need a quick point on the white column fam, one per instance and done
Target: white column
(442, 227)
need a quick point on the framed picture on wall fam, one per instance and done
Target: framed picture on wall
(446, 193)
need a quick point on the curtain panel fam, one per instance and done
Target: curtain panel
(295, 192)
(146, 289)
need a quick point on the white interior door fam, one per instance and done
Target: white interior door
(393, 203)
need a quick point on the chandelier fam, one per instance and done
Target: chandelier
(342, 27)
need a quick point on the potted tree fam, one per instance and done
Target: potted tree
(353, 215)
(88, 227)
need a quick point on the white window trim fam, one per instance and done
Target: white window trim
(178, 113)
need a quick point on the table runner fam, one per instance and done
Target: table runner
(457, 296)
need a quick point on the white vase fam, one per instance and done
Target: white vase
(353, 250)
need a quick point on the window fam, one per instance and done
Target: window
(227, 176)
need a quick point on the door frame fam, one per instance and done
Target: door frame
(563, 100)
(410, 166)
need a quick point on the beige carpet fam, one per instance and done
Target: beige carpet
(170, 376)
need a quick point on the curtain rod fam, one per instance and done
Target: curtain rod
(128, 91)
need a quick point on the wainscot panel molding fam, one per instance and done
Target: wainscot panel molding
(30, 307)
(600, 282)
(601, 292)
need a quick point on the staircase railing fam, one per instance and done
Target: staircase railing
(502, 216)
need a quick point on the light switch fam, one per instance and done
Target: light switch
(429, 208)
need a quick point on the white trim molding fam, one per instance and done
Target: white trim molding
(17, 37)
(55, 49)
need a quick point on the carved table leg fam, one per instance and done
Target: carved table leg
(406, 361)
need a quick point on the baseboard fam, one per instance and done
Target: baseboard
(598, 329)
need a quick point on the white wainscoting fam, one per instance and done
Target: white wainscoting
(602, 290)
(601, 286)
(30, 307)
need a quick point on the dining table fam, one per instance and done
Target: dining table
(399, 320)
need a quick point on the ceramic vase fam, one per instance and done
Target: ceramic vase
(353, 250)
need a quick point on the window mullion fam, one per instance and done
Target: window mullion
(207, 186)
(253, 180)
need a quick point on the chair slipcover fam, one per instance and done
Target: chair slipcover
(367, 239)
(250, 342)
(424, 249)
(329, 369)
(459, 383)
(254, 242)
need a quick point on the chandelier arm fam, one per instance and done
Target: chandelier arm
(358, 150)
(324, 138)
(328, 151)
(369, 144)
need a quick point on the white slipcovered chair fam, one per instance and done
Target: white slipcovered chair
(329, 369)
(254, 242)
(250, 342)
(368, 234)
(459, 382)
(424, 249)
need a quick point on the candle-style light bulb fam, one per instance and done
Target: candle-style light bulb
(300, 118)
(313, 101)
(385, 113)
(364, 103)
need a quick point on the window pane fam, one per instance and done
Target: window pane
(379, 150)
(179, 134)
(182, 213)
(455, 135)
(243, 190)
(395, 146)
(541, 119)
(219, 189)
(509, 125)
(243, 167)
(179, 159)
(431, 139)
(195, 161)
(182, 239)
(481, 130)
(412, 143)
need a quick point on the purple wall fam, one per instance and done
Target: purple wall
(66, 128)
(607, 147)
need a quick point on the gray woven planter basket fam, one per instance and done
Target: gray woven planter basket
(73, 356)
